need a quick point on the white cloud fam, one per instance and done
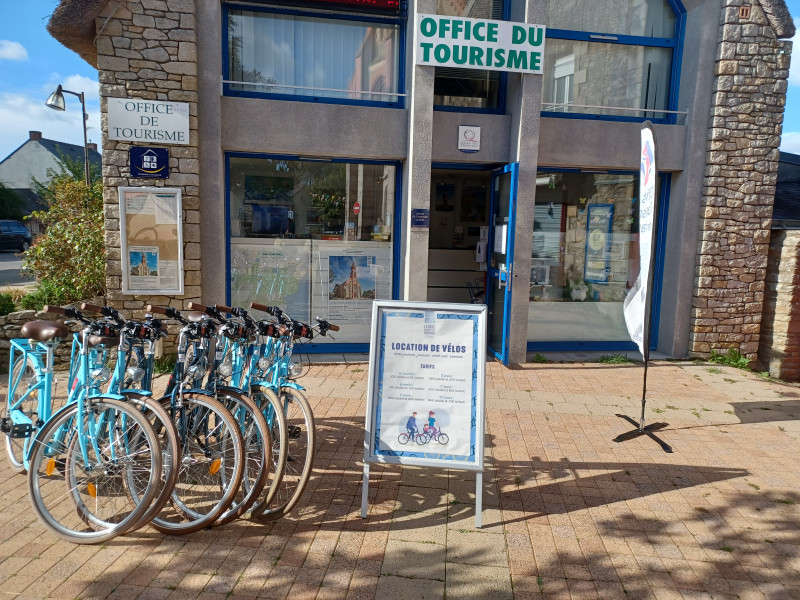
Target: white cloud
(20, 114)
(790, 142)
(79, 83)
(12, 51)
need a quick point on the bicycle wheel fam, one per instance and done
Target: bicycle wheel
(257, 441)
(272, 410)
(300, 457)
(422, 438)
(211, 464)
(93, 506)
(24, 373)
(167, 435)
(442, 438)
(403, 438)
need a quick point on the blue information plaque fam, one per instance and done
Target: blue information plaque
(420, 217)
(149, 163)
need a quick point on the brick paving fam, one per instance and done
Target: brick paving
(568, 513)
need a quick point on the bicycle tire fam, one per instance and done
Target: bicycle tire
(271, 408)
(442, 438)
(422, 438)
(257, 440)
(16, 447)
(168, 439)
(299, 459)
(195, 505)
(55, 447)
(403, 438)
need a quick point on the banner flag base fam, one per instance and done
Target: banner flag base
(648, 431)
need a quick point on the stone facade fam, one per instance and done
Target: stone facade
(148, 49)
(741, 170)
(780, 329)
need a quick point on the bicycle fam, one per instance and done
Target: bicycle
(96, 443)
(211, 447)
(408, 435)
(275, 372)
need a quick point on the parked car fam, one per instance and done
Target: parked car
(14, 236)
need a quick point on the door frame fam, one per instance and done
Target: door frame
(494, 276)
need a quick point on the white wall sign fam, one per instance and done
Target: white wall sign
(469, 138)
(137, 120)
(426, 388)
(484, 44)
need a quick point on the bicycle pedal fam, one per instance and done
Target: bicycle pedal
(20, 431)
(5, 425)
(294, 432)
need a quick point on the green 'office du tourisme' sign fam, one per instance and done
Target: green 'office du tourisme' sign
(479, 44)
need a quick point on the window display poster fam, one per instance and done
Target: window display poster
(152, 240)
(426, 390)
(275, 272)
(598, 233)
(347, 279)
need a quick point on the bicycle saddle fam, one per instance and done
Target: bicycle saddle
(96, 340)
(44, 331)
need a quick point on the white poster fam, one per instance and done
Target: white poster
(275, 272)
(347, 278)
(635, 305)
(426, 389)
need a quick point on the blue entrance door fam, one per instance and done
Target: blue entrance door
(501, 259)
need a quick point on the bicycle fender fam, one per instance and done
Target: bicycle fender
(294, 386)
(135, 391)
(106, 395)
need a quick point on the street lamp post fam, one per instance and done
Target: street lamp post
(56, 102)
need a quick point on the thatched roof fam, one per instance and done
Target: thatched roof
(778, 14)
(72, 24)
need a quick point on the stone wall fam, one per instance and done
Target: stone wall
(148, 49)
(10, 326)
(779, 350)
(739, 188)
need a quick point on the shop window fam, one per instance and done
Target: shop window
(584, 256)
(470, 89)
(315, 238)
(623, 55)
(311, 57)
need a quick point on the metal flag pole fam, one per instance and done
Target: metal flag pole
(638, 304)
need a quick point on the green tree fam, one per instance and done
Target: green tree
(69, 258)
(10, 204)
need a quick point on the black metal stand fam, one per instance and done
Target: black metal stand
(641, 429)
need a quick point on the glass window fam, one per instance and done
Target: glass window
(314, 238)
(598, 78)
(646, 18)
(468, 88)
(584, 256)
(311, 57)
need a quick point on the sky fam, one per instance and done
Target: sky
(32, 64)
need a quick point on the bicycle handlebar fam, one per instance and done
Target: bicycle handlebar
(92, 308)
(223, 308)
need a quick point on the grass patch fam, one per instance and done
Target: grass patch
(540, 583)
(731, 358)
(727, 380)
(538, 358)
(785, 501)
(754, 486)
(615, 359)
(714, 370)
(726, 549)
(672, 407)
(658, 410)
(165, 364)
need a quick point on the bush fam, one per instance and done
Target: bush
(46, 293)
(6, 304)
(733, 358)
(69, 258)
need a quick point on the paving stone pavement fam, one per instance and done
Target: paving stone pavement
(568, 512)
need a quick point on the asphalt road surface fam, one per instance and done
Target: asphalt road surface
(11, 272)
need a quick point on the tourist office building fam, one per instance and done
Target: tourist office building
(334, 152)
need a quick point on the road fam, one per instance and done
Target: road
(11, 273)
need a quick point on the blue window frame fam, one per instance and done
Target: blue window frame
(549, 247)
(310, 56)
(272, 206)
(630, 74)
(473, 90)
